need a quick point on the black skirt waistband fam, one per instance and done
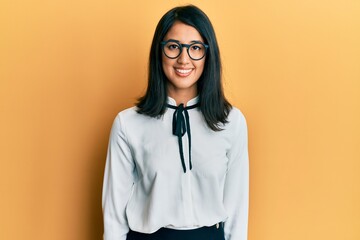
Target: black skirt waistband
(215, 232)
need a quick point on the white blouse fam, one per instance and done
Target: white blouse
(147, 185)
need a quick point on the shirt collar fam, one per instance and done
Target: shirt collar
(191, 102)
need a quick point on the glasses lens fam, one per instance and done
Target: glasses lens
(172, 49)
(197, 51)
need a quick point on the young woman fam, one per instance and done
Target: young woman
(177, 164)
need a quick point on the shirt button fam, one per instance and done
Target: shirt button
(217, 225)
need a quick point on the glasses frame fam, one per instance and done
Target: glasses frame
(182, 45)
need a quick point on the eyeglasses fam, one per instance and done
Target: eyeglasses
(172, 49)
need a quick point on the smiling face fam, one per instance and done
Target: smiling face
(182, 72)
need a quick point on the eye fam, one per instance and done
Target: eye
(172, 46)
(196, 47)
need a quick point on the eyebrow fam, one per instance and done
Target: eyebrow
(177, 41)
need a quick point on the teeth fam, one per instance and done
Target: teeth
(183, 71)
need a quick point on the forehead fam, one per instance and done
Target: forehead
(183, 33)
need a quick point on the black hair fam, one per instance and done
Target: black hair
(212, 102)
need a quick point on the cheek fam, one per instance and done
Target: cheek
(200, 67)
(165, 67)
(163, 60)
(166, 64)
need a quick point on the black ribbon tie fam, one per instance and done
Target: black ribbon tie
(180, 126)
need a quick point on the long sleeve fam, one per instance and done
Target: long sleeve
(236, 189)
(144, 177)
(118, 182)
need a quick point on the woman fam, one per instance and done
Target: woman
(177, 163)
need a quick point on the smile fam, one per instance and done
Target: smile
(183, 72)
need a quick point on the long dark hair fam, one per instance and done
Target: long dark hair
(212, 102)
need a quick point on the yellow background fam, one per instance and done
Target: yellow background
(68, 67)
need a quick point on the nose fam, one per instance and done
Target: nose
(184, 57)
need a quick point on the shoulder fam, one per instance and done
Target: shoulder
(130, 114)
(236, 128)
(236, 122)
(129, 117)
(236, 116)
(125, 120)
(124, 116)
(127, 113)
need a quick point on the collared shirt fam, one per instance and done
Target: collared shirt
(145, 187)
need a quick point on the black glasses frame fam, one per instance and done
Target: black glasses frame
(182, 45)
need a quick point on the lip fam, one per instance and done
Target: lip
(183, 72)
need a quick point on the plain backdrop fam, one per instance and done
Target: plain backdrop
(68, 67)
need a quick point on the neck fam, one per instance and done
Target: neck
(182, 96)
